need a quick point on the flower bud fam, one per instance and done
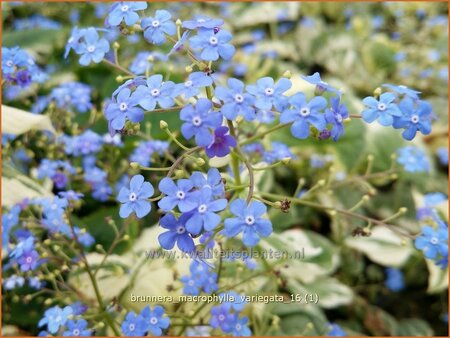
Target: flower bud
(116, 45)
(188, 69)
(134, 165)
(119, 78)
(178, 22)
(163, 124)
(287, 74)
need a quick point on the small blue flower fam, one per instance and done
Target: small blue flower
(321, 86)
(203, 215)
(414, 118)
(222, 318)
(125, 107)
(213, 181)
(279, 152)
(155, 28)
(236, 101)
(125, 11)
(93, 48)
(177, 233)
(433, 199)
(198, 122)
(213, 45)
(133, 325)
(192, 86)
(270, 94)
(202, 21)
(55, 317)
(180, 43)
(155, 91)
(248, 221)
(413, 159)
(336, 331)
(394, 279)
(13, 282)
(153, 320)
(240, 328)
(442, 153)
(77, 328)
(74, 40)
(141, 63)
(304, 114)
(403, 90)
(433, 242)
(192, 285)
(383, 110)
(336, 115)
(176, 195)
(135, 198)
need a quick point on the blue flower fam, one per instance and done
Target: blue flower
(202, 21)
(155, 91)
(394, 279)
(265, 116)
(279, 151)
(180, 43)
(213, 45)
(248, 221)
(135, 198)
(414, 118)
(153, 320)
(77, 328)
(383, 110)
(192, 86)
(433, 199)
(442, 153)
(336, 115)
(13, 282)
(221, 144)
(93, 48)
(198, 121)
(203, 215)
(74, 40)
(237, 304)
(29, 260)
(413, 159)
(132, 326)
(321, 86)
(125, 107)
(213, 181)
(336, 331)
(155, 28)
(270, 94)
(55, 317)
(236, 101)
(304, 114)
(433, 242)
(403, 90)
(240, 328)
(142, 154)
(72, 95)
(176, 195)
(192, 285)
(125, 11)
(222, 318)
(140, 63)
(177, 233)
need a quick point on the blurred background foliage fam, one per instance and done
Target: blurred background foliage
(356, 47)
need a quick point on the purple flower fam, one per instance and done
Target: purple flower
(28, 260)
(304, 114)
(198, 120)
(155, 28)
(268, 93)
(177, 233)
(236, 101)
(221, 144)
(213, 45)
(135, 198)
(336, 115)
(249, 221)
(125, 107)
(383, 110)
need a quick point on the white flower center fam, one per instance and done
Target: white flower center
(155, 23)
(196, 121)
(213, 40)
(402, 87)
(28, 259)
(131, 327)
(180, 194)
(201, 20)
(381, 106)
(202, 208)
(221, 317)
(132, 197)
(70, 39)
(155, 92)
(238, 327)
(191, 283)
(339, 118)
(58, 319)
(268, 91)
(238, 98)
(76, 332)
(305, 112)
(9, 63)
(181, 229)
(153, 320)
(124, 8)
(434, 240)
(249, 220)
(91, 48)
(414, 119)
(123, 106)
(188, 83)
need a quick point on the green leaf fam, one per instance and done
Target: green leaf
(300, 319)
(413, 327)
(437, 278)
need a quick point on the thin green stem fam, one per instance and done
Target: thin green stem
(264, 133)
(118, 67)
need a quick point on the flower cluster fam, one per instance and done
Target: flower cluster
(226, 316)
(147, 321)
(202, 278)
